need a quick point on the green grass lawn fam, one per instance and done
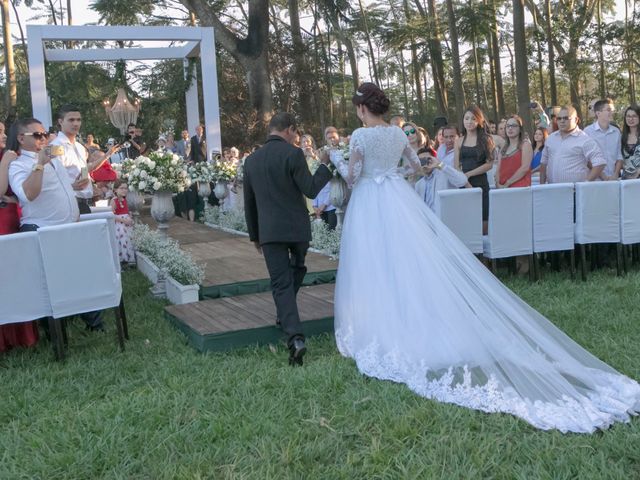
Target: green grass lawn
(161, 410)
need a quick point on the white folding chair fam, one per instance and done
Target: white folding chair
(23, 296)
(597, 217)
(629, 215)
(510, 232)
(553, 220)
(461, 211)
(79, 270)
(111, 223)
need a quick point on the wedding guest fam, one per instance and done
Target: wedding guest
(171, 143)
(438, 176)
(161, 144)
(491, 125)
(501, 129)
(514, 166)
(331, 136)
(124, 222)
(630, 140)
(418, 141)
(446, 151)
(90, 144)
(308, 145)
(608, 138)
(569, 154)
(183, 146)
(475, 154)
(539, 137)
(323, 209)
(136, 145)
(198, 146)
(439, 139)
(397, 120)
(23, 334)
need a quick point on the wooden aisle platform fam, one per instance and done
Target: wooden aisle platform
(235, 322)
(232, 264)
(238, 309)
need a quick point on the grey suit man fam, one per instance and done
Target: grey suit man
(276, 180)
(183, 146)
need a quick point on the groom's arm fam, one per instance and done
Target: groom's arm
(309, 184)
(250, 208)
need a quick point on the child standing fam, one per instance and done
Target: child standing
(124, 222)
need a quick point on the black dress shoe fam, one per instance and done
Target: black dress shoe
(297, 349)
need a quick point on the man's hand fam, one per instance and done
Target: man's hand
(80, 184)
(258, 247)
(44, 157)
(324, 157)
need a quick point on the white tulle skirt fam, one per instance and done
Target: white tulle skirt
(413, 305)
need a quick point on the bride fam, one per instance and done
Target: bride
(470, 340)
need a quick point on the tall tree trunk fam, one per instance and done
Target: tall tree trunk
(251, 52)
(369, 43)
(304, 80)
(493, 88)
(319, 104)
(542, 93)
(12, 95)
(553, 91)
(495, 60)
(570, 60)
(69, 13)
(475, 71)
(522, 74)
(434, 39)
(458, 88)
(629, 54)
(601, 75)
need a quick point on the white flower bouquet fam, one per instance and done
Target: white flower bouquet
(159, 172)
(201, 172)
(224, 171)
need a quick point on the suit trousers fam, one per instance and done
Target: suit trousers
(285, 262)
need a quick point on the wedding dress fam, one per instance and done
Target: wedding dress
(413, 305)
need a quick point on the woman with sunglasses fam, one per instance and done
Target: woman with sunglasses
(474, 154)
(13, 334)
(514, 166)
(419, 141)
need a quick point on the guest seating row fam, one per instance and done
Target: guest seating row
(545, 218)
(61, 271)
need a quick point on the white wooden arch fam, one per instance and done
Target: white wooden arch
(199, 42)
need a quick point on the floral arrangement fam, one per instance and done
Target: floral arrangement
(167, 255)
(159, 171)
(224, 171)
(323, 239)
(343, 149)
(201, 172)
(124, 169)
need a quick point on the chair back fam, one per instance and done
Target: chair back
(23, 294)
(552, 217)
(461, 211)
(510, 223)
(79, 269)
(597, 212)
(111, 223)
(630, 211)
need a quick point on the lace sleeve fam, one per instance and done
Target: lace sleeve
(350, 170)
(411, 165)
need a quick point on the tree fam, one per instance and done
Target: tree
(522, 74)
(458, 87)
(12, 93)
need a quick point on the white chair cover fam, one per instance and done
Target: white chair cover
(630, 211)
(552, 217)
(111, 223)
(23, 294)
(510, 223)
(461, 211)
(78, 264)
(597, 212)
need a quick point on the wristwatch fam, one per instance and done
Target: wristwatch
(37, 167)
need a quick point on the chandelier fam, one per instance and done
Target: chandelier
(122, 113)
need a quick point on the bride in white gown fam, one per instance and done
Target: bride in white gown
(469, 340)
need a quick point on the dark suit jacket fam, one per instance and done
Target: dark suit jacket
(276, 179)
(198, 150)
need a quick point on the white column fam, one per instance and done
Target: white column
(210, 90)
(191, 98)
(37, 79)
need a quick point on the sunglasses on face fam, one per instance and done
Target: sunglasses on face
(410, 132)
(563, 119)
(37, 135)
(512, 125)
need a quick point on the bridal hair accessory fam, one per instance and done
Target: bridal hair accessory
(359, 93)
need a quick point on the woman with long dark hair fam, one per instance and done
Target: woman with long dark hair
(630, 142)
(474, 154)
(514, 168)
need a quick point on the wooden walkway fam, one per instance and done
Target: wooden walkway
(237, 309)
(235, 322)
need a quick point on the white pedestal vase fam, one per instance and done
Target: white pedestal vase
(162, 210)
(221, 191)
(204, 190)
(338, 197)
(135, 201)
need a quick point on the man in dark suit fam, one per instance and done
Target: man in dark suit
(198, 146)
(276, 180)
(189, 202)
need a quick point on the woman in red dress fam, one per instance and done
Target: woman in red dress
(12, 334)
(514, 169)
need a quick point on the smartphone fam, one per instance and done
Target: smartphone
(533, 105)
(84, 173)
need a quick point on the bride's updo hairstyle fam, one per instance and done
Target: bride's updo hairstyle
(372, 97)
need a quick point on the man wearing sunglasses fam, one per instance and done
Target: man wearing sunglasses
(39, 180)
(569, 154)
